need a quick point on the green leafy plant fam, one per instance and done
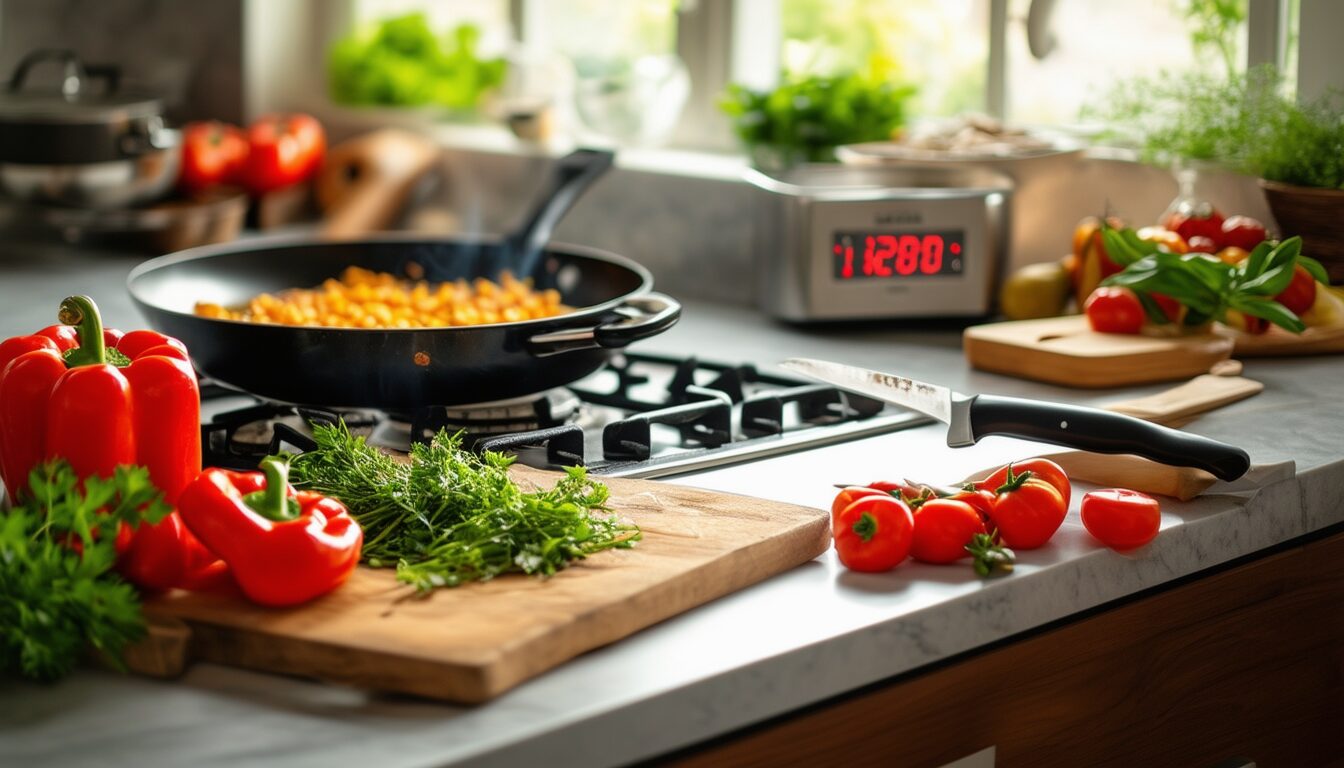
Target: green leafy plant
(1245, 123)
(1300, 144)
(451, 516)
(58, 592)
(806, 118)
(401, 62)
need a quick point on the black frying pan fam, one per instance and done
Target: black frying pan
(404, 369)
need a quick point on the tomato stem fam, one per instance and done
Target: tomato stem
(865, 527)
(1012, 482)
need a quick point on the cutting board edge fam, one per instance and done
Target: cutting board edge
(247, 647)
(498, 679)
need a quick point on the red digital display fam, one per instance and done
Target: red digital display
(861, 255)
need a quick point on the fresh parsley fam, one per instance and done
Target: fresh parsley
(1207, 286)
(450, 516)
(58, 592)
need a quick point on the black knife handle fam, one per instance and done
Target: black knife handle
(1092, 429)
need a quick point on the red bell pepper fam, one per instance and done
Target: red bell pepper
(99, 399)
(282, 547)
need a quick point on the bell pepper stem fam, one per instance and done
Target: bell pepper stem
(81, 312)
(274, 502)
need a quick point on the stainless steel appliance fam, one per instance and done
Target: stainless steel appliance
(87, 143)
(842, 242)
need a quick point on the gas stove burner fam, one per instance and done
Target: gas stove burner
(501, 417)
(640, 416)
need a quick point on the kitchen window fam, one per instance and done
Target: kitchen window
(1035, 62)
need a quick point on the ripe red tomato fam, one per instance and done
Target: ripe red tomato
(943, 528)
(1241, 232)
(1169, 306)
(981, 500)
(1189, 225)
(1027, 511)
(849, 494)
(285, 149)
(1301, 293)
(212, 153)
(1114, 309)
(1043, 469)
(873, 533)
(1121, 519)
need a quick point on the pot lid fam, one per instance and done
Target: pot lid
(85, 95)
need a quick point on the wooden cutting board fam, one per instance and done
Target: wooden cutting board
(1064, 350)
(474, 642)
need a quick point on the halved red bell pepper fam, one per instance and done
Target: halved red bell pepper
(282, 547)
(99, 399)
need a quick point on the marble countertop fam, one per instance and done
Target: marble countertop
(807, 635)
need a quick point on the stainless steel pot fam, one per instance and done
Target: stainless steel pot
(80, 145)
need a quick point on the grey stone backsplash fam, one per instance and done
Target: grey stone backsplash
(698, 235)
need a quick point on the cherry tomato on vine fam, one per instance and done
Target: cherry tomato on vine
(1189, 225)
(849, 494)
(1027, 510)
(1043, 469)
(1121, 519)
(1114, 309)
(873, 533)
(1300, 293)
(943, 528)
(981, 500)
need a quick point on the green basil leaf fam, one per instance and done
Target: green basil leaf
(1145, 247)
(1117, 250)
(1271, 283)
(1130, 277)
(1152, 309)
(1215, 275)
(1284, 254)
(1270, 310)
(1314, 267)
(1254, 265)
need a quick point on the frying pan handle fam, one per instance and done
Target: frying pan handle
(643, 316)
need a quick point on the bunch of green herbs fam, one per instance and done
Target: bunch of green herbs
(450, 516)
(58, 593)
(1207, 287)
(401, 62)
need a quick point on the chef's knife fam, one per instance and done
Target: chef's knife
(972, 417)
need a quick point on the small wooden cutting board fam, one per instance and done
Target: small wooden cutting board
(1064, 350)
(471, 643)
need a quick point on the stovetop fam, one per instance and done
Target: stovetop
(642, 415)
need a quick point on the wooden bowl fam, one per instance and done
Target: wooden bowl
(1317, 215)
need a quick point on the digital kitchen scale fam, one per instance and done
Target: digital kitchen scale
(842, 242)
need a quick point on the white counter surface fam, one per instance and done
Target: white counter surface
(807, 635)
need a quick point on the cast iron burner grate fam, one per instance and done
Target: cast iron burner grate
(642, 415)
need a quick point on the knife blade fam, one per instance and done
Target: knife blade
(972, 417)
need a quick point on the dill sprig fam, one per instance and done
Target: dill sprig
(450, 516)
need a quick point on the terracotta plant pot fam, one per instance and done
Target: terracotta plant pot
(1317, 215)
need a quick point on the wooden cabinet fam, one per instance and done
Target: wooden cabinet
(1246, 661)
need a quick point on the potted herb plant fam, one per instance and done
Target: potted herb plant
(1246, 124)
(807, 117)
(1298, 153)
